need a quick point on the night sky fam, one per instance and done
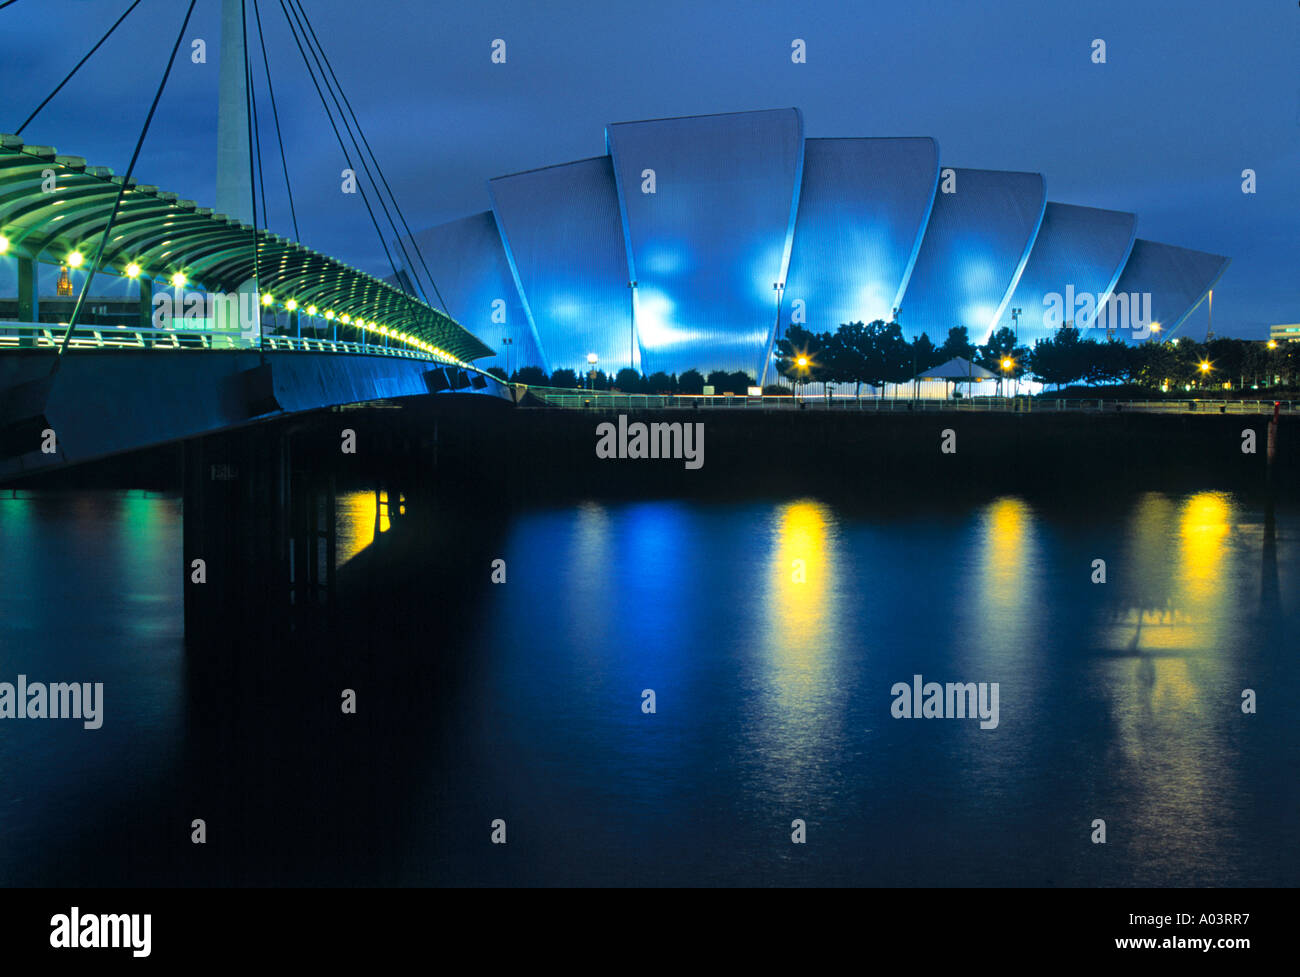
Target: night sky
(1192, 93)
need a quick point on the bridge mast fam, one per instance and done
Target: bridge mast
(234, 192)
(234, 196)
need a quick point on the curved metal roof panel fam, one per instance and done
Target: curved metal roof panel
(975, 248)
(1079, 252)
(1176, 279)
(708, 207)
(467, 261)
(863, 210)
(563, 236)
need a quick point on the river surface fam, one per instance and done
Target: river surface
(772, 634)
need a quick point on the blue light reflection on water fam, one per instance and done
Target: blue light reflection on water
(771, 634)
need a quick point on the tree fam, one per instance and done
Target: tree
(660, 383)
(888, 357)
(844, 355)
(690, 382)
(739, 382)
(1059, 359)
(499, 372)
(1108, 362)
(957, 344)
(925, 355)
(734, 383)
(1001, 346)
(533, 376)
(565, 378)
(628, 381)
(800, 344)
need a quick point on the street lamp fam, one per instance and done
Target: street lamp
(779, 288)
(1007, 364)
(1015, 320)
(631, 317)
(507, 342)
(591, 372)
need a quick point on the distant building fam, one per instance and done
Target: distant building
(1288, 333)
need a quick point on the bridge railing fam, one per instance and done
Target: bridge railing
(26, 334)
(604, 400)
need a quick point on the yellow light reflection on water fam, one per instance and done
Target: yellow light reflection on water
(1178, 583)
(1178, 591)
(1007, 593)
(1203, 531)
(794, 722)
(798, 576)
(354, 517)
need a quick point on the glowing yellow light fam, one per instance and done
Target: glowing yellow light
(311, 310)
(802, 361)
(1272, 343)
(1155, 327)
(133, 270)
(329, 313)
(4, 244)
(75, 259)
(345, 318)
(291, 305)
(267, 299)
(1205, 367)
(179, 279)
(1008, 363)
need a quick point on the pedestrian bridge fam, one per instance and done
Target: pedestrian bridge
(121, 389)
(84, 378)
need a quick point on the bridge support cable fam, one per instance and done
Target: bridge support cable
(121, 191)
(275, 115)
(357, 147)
(36, 111)
(379, 169)
(373, 220)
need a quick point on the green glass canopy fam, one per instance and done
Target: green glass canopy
(165, 236)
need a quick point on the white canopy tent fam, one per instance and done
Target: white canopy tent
(959, 370)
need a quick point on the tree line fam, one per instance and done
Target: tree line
(877, 353)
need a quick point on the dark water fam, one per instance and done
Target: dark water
(523, 701)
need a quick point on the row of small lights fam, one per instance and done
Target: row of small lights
(179, 280)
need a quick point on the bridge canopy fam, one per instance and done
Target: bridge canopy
(157, 236)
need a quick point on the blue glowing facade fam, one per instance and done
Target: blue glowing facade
(695, 241)
(1177, 279)
(863, 210)
(981, 230)
(1076, 261)
(563, 236)
(708, 212)
(467, 260)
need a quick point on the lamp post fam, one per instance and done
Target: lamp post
(631, 319)
(779, 288)
(507, 342)
(1015, 321)
(591, 370)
